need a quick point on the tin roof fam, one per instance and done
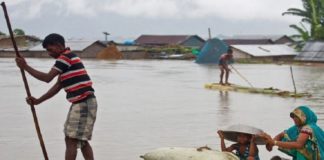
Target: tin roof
(312, 51)
(247, 41)
(255, 39)
(163, 39)
(266, 50)
(314, 46)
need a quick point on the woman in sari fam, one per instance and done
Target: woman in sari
(302, 141)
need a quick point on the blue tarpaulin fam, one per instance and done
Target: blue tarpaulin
(211, 51)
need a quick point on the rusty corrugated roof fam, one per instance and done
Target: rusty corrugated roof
(162, 39)
(247, 41)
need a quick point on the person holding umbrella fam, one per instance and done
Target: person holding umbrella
(245, 147)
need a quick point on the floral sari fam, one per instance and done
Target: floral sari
(314, 146)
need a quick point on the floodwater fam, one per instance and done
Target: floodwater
(147, 104)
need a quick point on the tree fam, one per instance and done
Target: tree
(313, 15)
(302, 37)
(19, 32)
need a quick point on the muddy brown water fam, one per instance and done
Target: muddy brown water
(147, 104)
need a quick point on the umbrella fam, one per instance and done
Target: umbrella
(232, 132)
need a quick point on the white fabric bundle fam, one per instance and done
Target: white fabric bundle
(177, 153)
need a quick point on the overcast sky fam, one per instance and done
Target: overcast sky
(127, 19)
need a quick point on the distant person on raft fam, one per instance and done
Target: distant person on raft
(223, 61)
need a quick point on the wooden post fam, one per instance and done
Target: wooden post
(39, 134)
(293, 80)
(209, 33)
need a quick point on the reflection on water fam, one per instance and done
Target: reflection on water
(149, 104)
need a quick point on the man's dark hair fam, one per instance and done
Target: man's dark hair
(229, 50)
(53, 39)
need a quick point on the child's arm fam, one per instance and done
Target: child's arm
(253, 148)
(223, 146)
(279, 136)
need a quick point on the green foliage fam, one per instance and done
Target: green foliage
(311, 14)
(19, 32)
(169, 49)
(302, 37)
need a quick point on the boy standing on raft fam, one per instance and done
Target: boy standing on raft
(73, 77)
(223, 61)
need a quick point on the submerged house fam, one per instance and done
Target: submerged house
(313, 51)
(192, 41)
(23, 44)
(21, 41)
(274, 52)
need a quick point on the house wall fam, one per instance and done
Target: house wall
(127, 48)
(7, 54)
(237, 54)
(34, 54)
(91, 51)
(135, 55)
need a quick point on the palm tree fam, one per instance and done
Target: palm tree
(312, 14)
(302, 37)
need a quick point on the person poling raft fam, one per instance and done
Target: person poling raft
(223, 62)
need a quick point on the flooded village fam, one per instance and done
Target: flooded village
(161, 96)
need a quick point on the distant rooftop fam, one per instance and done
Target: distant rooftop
(164, 39)
(257, 39)
(266, 50)
(312, 51)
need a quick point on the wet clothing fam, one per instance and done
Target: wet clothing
(246, 153)
(73, 76)
(78, 87)
(81, 118)
(314, 146)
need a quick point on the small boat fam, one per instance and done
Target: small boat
(269, 91)
(179, 153)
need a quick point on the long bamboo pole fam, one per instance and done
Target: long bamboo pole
(241, 76)
(39, 134)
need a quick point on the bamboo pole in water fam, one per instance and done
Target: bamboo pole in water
(293, 80)
(39, 134)
(241, 76)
